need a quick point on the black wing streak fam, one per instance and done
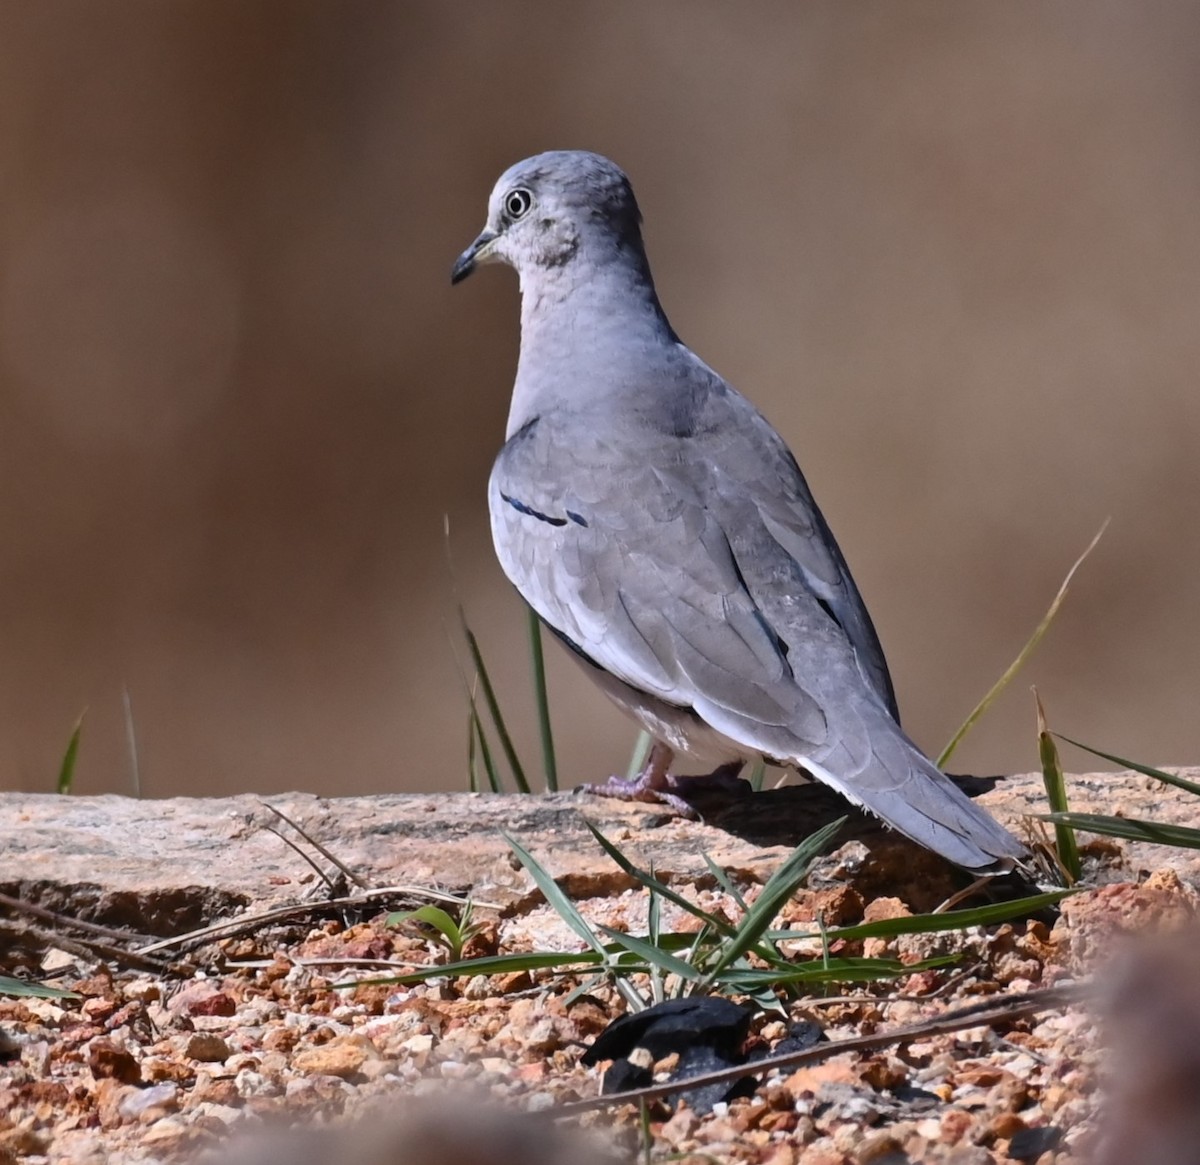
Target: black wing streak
(522, 508)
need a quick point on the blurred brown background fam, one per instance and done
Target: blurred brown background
(952, 250)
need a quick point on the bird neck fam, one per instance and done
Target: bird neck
(586, 328)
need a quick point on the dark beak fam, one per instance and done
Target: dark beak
(466, 262)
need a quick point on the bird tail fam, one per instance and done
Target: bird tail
(910, 793)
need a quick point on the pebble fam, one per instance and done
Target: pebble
(149, 1102)
(208, 1048)
(343, 1059)
(250, 1083)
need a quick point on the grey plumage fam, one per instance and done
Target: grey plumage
(660, 526)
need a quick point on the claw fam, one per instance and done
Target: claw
(655, 784)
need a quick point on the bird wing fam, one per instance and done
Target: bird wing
(613, 547)
(785, 549)
(676, 546)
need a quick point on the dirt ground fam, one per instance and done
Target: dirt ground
(177, 1042)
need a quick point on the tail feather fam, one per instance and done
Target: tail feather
(908, 792)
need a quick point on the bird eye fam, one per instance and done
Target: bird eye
(517, 202)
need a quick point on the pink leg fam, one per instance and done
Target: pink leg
(656, 785)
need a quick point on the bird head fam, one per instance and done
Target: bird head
(546, 209)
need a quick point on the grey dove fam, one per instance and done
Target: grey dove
(661, 528)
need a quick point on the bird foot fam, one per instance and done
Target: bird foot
(657, 786)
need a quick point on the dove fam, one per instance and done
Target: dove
(662, 530)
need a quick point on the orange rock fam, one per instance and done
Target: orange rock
(882, 1072)
(921, 983)
(781, 1154)
(982, 1077)
(109, 1095)
(880, 909)
(680, 1129)
(108, 1059)
(877, 1145)
(825, 1157)
(1004, 1126)
(207, 1047)
(1090, 921)
(778, 1120)
(210, 1089)
(955, 1126)
(336, 1059)
(839, 1070)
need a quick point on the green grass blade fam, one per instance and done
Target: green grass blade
(723, 880)
(645, 1134)
(553, 893)
(431, 916)
(833, 971)
(989, 915)
(641, 750)
(489, 965)
(131, 742)
(779, 888)
(66, 770)
(476, 734)
(472, 756)
(485, 752)
(585, 987)
(27, 990)
(758, 773)
(1145, 770)
(652, 883)
(654, 937)
(1130, 828)
(542, 698)
(697, 940)
(1022, 656)
(609, 955)
(654, 916)
(652, 954)
(482, 677)
(1056, 794)
(493, 706)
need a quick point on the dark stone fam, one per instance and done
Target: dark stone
(1030, 1144)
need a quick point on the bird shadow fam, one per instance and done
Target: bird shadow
(891, 865)
(786, 815)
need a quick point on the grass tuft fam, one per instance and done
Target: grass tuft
(542, 699)
(1056, 794)
(450, 934)
(743, 957)
(1146, 770)
(493, 706)
(66, 770)
(1025, 652)
(485, 751)
(1132, 829)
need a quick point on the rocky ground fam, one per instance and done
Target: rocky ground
(176, 1042)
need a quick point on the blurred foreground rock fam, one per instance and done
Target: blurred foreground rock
(1151, 1025)
(460, 1131)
